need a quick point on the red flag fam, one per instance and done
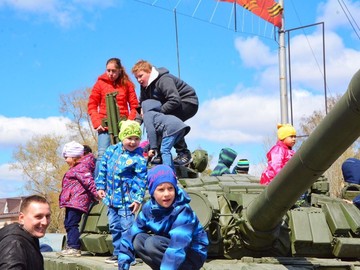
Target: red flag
(269, 10)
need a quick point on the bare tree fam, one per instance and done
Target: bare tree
(43, 168)
(74, 106)
(40, 158)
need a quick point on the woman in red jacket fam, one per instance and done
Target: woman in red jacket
(114, 79)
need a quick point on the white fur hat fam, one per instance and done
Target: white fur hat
(73, 149)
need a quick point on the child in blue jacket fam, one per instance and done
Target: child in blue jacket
(167, 233)
(121, 182)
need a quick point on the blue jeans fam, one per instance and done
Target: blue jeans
(103, 144)
(151, 249)
(119, 222)
(184, 112)
(166, 144)
(71, 224)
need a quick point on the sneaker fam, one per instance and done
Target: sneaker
(183, 159)
(70, 252)
(112, 259)
(135, 262)
(156, 159)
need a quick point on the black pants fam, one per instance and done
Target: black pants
(151, 249)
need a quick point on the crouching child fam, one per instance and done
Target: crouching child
(167, 233)
(162, 129)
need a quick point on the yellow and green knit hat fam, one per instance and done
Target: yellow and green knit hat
(129, 128)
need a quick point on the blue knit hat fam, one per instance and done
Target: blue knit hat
(161, 174)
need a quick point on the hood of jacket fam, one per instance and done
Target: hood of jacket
(103, 77)
(156, 73)
(227, 157)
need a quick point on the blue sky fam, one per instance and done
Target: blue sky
(53, 47)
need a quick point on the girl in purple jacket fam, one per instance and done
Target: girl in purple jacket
(77, 194)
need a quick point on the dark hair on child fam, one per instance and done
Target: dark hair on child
(87, 149)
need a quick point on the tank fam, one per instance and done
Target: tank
(251, 226)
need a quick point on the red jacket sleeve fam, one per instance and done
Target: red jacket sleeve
(93, 105)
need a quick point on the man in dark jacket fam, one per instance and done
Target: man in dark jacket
(176, 96)
(163, 131)
(19, 242)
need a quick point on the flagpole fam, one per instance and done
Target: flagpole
(282, 71)
(177, 42)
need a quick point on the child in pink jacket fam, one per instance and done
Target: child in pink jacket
(280, 153)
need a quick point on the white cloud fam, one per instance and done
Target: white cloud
(333, 13)
(63, 13)
(307, 69)
(307, 62)
(242, 118)
(254, 53)
(11, 182)
(30, 5)
(14, 131)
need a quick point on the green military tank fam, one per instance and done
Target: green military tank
(251, 226)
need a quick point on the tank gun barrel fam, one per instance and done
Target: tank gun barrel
(338, 130)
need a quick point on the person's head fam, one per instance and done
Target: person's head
(162, 185)
(72, 152)
(351, 171)
(130, 134)
(141, 71)
(35, 215)
(227, 156)
(87, 149)
(116, 71)
(242, 166)
(287, 134)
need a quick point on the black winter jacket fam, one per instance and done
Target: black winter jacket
(170, 91)
(19, 250)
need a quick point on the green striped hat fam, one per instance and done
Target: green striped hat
(242, 166)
